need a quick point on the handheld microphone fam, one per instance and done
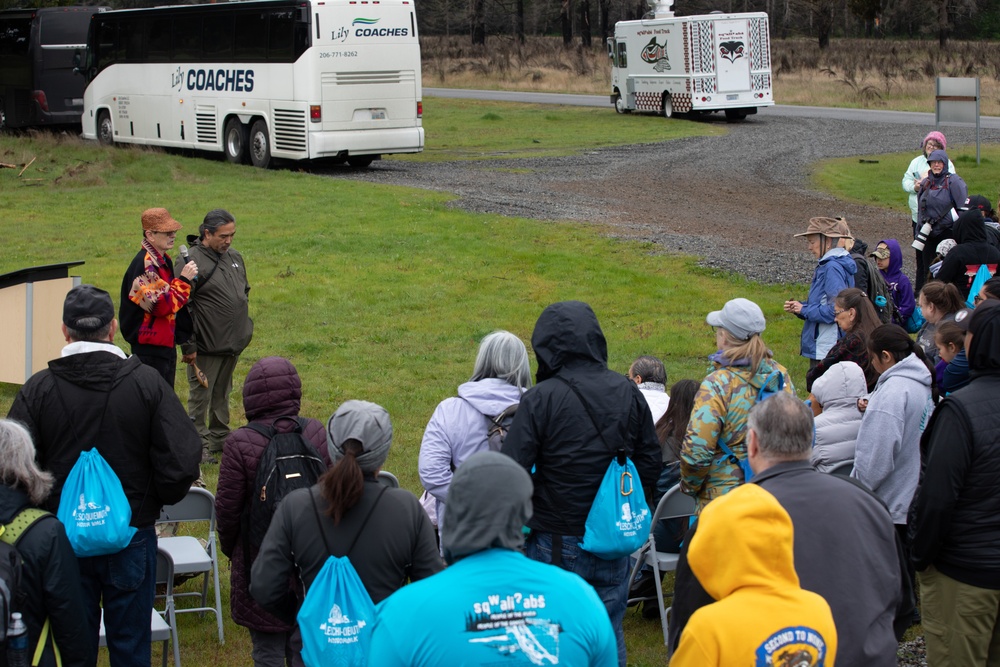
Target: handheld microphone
(184, 253)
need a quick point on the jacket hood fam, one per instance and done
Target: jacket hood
(567, 331)
(12, 501)
(910, 367)
(490, 396)
(841, 384)
(272, 389)
(744, 540)
(842, 257)
(984, 352)
(758, 378)
(99, 371)
(970, 228)
(489, 501)
(860, 247)
(895, 260)
(939, 155)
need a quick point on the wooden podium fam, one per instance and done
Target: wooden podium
(31, 301)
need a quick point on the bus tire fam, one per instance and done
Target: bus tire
(234, 139)
(105, 130)
(360, 161)
(260, 145)
(735, 115)
(668, 106)
(3, 115)
(620, 104)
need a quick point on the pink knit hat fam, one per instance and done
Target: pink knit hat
(936, 136)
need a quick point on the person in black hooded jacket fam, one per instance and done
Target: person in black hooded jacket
(554, 431)
(954, 521)
(963, 261)
(50, 579)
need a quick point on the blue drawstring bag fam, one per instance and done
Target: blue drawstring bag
(982, 275)
(336, 617)
(915, 321)
(93, 508)
(619, 518)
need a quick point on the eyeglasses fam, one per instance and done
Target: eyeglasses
(169, 235)
(838, 312)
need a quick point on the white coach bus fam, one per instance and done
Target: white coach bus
(263, 79)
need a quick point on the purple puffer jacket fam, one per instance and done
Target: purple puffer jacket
(272, 389)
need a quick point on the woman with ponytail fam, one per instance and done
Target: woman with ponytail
(887, 457)
(384, 531)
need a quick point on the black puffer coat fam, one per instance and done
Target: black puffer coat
(552, 427)
(272, 389)
(50, 582)
(954, 520)
(960, 266)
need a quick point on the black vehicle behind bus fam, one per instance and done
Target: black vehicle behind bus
(37, 50)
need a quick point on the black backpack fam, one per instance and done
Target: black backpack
(11, 595)
(497, 425)
(289, 462)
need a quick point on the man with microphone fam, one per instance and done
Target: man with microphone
(219, 309)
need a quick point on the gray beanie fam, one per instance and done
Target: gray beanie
(365, 422)
(489, 501)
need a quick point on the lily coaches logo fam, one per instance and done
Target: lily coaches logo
(656, 55)
(731, 51)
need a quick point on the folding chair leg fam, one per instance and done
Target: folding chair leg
(218, 602)
(659, 601)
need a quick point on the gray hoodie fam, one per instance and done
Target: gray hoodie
(887, 457)
(838, 391)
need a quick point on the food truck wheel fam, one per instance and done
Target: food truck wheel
(620, 104)
(668, 106)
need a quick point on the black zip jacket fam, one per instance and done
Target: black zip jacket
(553, 431)
(145, 435)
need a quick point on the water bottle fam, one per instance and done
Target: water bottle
(17, 642)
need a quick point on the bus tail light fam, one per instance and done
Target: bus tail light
(315, 113)
(39, 96)
(420, 109)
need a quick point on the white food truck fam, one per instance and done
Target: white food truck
(680, 64)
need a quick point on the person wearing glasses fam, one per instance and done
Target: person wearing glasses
(152, 298)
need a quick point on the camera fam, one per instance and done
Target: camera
(921, 238)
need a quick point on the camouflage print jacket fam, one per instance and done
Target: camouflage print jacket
(720, 412)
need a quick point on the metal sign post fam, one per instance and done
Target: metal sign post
(957, 101)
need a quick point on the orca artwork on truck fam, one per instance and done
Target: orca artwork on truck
(670, 64)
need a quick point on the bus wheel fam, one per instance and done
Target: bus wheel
(235, 140)
(734, 115)
(260, 145)
(3, 115)
(620, 104)
(105, 130)
(360, 161)
(668, 106)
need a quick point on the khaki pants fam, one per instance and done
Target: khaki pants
(960, 622)
(209, 408)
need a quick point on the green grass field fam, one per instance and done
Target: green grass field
(382, 293)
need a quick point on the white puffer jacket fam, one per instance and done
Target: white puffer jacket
(838, 391)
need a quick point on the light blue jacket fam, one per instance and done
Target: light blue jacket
(491, 608)
(458, 429)
(819, 332)
(887, 454)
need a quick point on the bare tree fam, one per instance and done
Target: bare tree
(566, 18)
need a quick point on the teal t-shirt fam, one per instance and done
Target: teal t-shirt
(494, 607)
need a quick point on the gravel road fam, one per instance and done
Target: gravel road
(734, 200)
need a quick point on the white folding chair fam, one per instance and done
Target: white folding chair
(162, 630)
(188, 555)
(674, 504)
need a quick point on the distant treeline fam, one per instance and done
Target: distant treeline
(590, 21)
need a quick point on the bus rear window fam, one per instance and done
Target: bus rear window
(64, 27)
(14, 34)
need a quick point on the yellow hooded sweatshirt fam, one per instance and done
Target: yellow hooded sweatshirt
(742, 555)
